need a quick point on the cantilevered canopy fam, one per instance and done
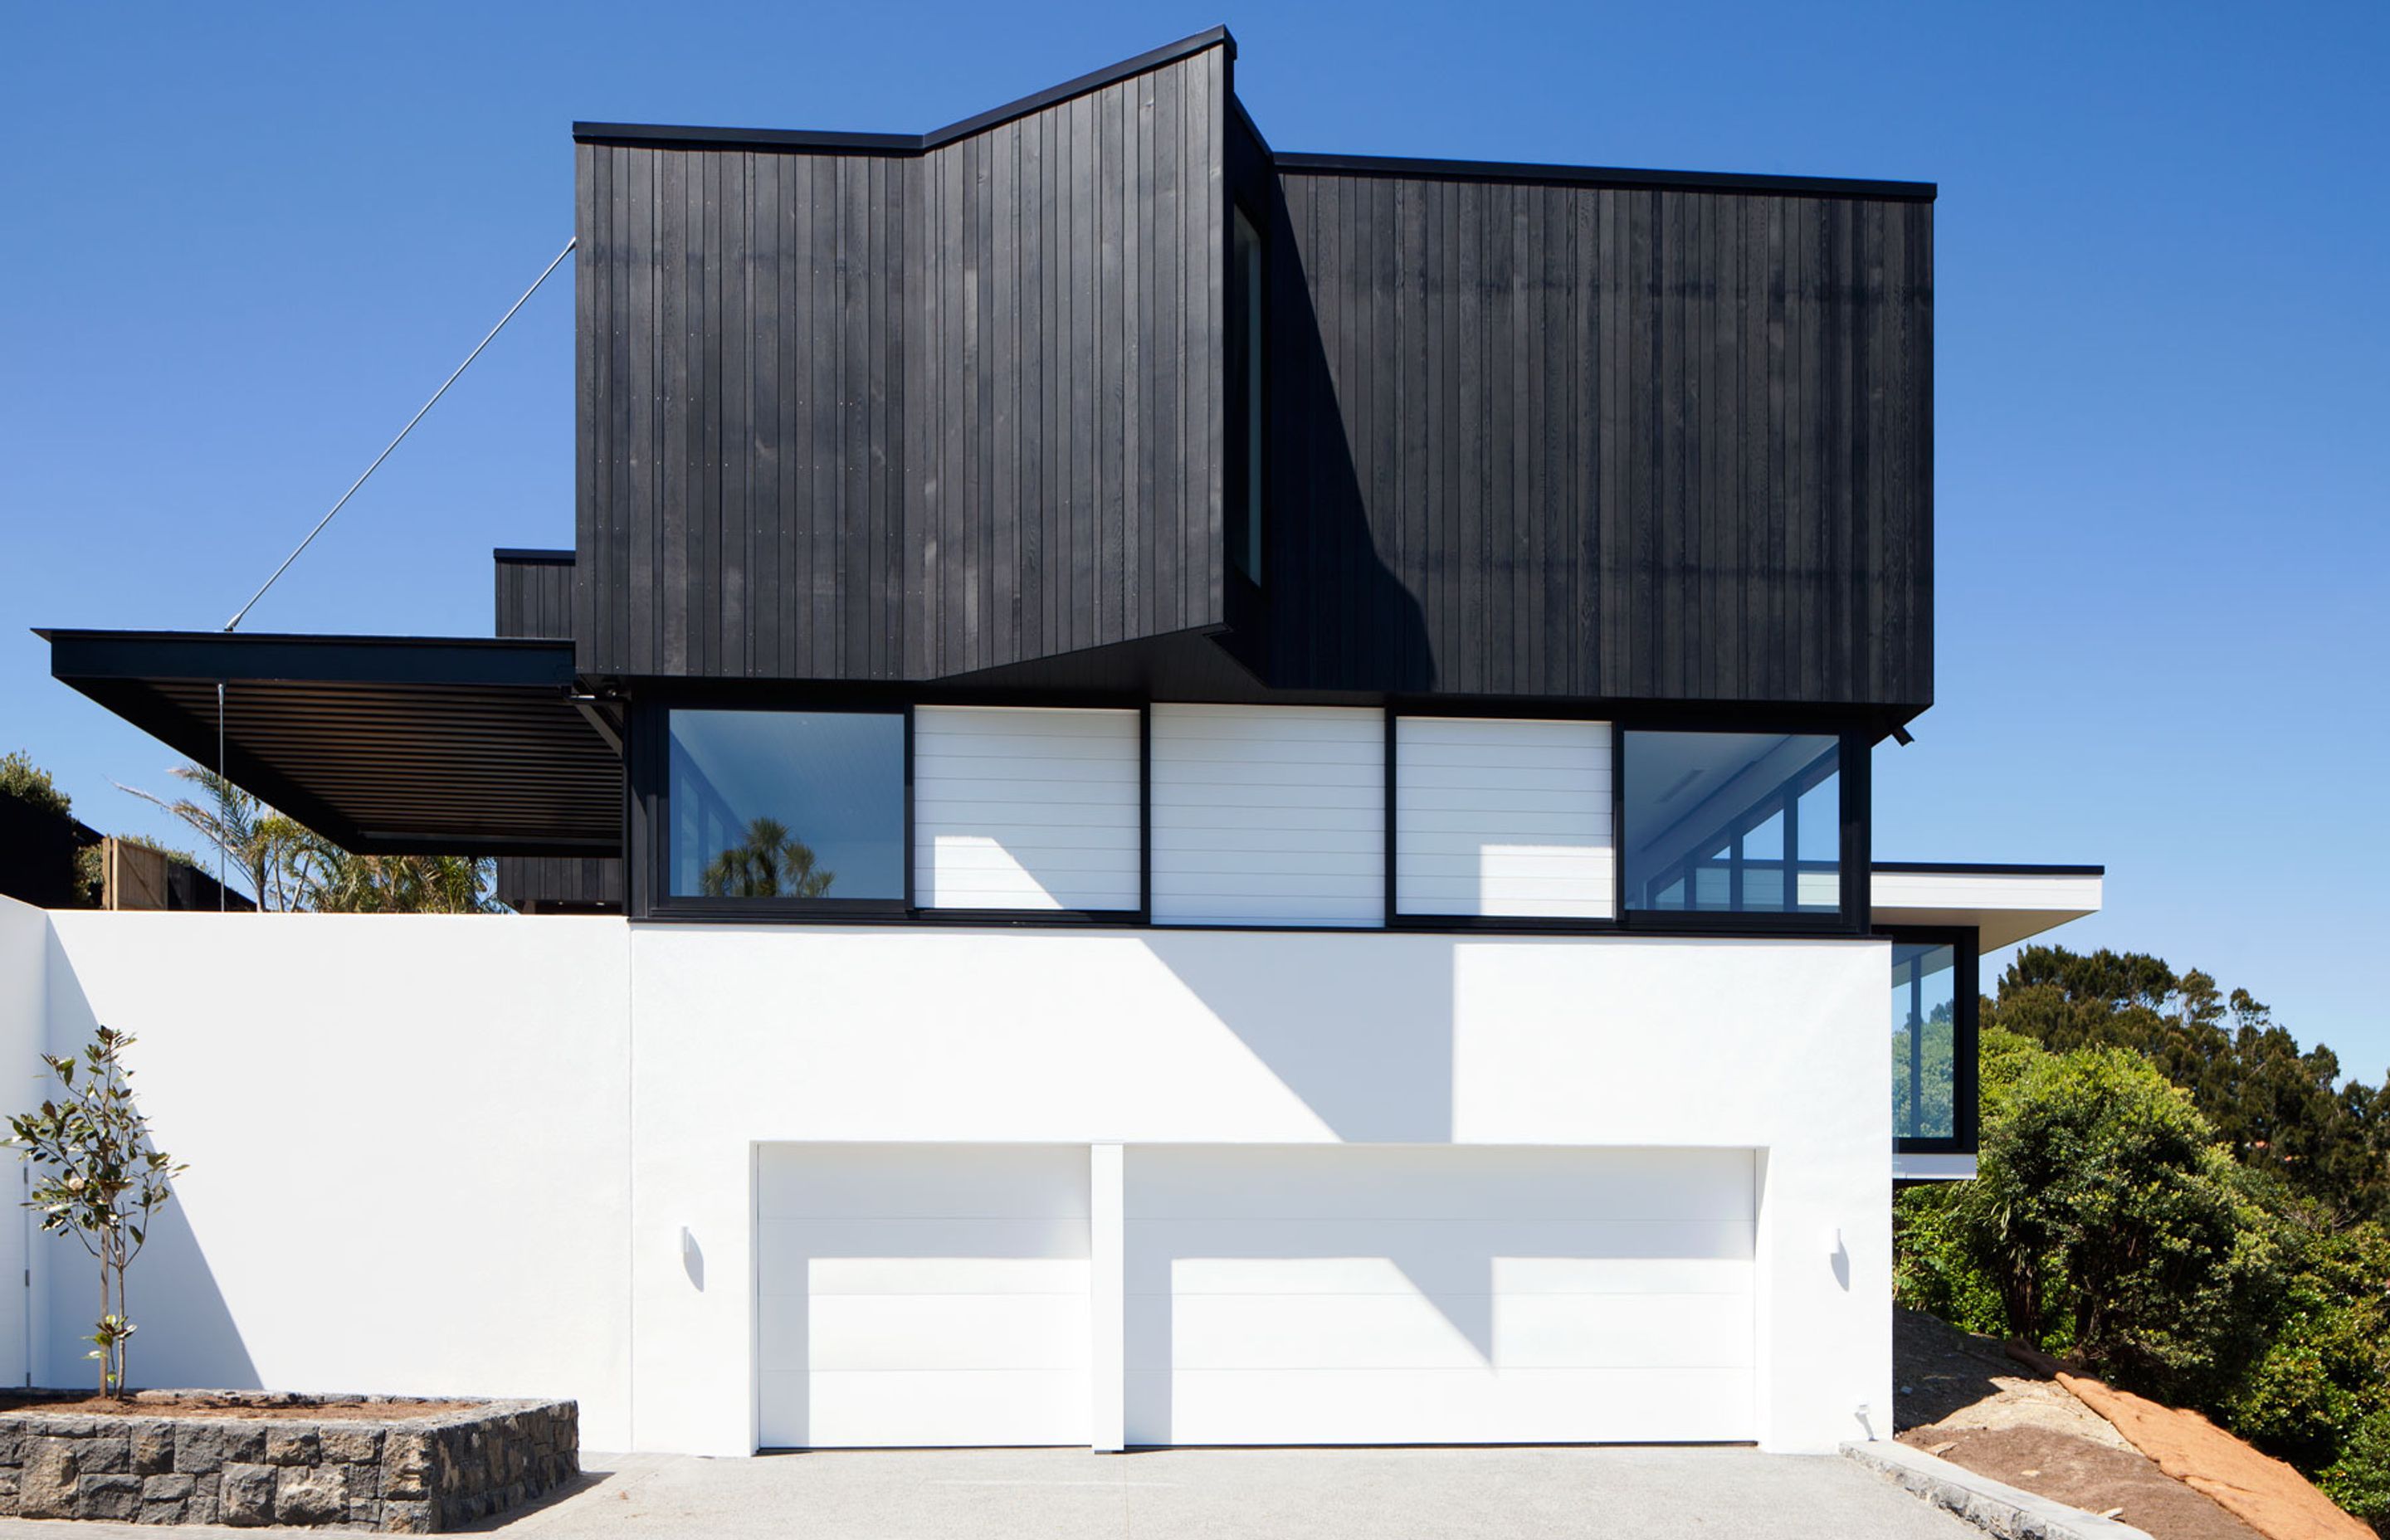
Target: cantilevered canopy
(2002, 904)
(386, 745)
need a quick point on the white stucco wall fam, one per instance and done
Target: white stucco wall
(747, 1035)
(517, 1155)
(25, 1004)
(406, 1139)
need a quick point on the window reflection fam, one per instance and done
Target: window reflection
(1924, 1041)
(786, 804)
(1734, 823)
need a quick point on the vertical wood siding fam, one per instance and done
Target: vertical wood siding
(534, 597)
(886, 417)
(1576, 440)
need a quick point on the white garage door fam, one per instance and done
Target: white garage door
(922, 1294)
(1348, 1294)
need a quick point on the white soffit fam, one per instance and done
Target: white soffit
(1932, 1168)
(2005, 905)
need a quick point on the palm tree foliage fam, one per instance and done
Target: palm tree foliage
(289, 866)
(771, 862)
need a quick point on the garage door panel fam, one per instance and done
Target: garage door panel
(1158, 1272)
(1441, 1407)
(959, 1408)
(1197, 1254)
(1357, 1294)
(923, 1295)
(791, 1252)
(1443, 1331)
(947, 1331)
(974, 1275)
(1417, 1183)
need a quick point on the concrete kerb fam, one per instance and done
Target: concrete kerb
(1993, 1506)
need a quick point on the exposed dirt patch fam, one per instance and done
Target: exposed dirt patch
(218, 1403)
(1951, 1378)
(2096, 1478)
(2270, 1495)
(1962, 1398)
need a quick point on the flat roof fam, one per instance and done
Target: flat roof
(2004, 903)
(386, 745)
(836, 142)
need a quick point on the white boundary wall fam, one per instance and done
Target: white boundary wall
(517, 1155)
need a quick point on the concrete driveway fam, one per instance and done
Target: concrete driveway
(1617, 1493)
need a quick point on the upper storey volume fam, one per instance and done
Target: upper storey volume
(1099, 389)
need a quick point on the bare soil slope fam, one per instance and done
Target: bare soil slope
(1962, 1398)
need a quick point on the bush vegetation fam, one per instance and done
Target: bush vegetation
(2173, 1194)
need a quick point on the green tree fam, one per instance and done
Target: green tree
(770, 863)
(28, 782)
(289, 866)
(101, 1179)
(2109, 1223)
(2278, 1107)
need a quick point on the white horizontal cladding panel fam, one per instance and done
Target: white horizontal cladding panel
(1435, 1294)
(1026, 808)
(923, 1295)
(1268, 814)
(1503, 816)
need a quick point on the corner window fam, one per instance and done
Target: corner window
(1934, 1005)
(1244, 414)
(1924, 1041)
(1734, 823)
(786, 805)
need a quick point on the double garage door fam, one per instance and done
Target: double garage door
(944, 1295)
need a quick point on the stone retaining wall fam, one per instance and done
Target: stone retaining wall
(401, 1476)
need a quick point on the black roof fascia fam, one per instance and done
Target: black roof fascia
(1599, 176)
(233, 657)
(531, 554)
(1988, 868)
(830, 142)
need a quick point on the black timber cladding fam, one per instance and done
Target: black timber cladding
(869, 407)
(534, 596)
(534, 600)
(1541, 434)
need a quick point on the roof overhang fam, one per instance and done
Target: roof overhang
(2003, 903)
(386, 745)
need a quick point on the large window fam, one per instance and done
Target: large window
(1734, 823)
(782, 805)
(1245, 403)
(1933, 1041)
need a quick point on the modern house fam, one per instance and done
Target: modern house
(1175, 792)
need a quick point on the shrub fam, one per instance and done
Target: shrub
(2360, 1480)
(2110, 1225)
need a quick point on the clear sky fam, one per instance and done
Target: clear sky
(238, 246)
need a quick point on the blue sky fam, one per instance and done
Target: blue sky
(242, 244)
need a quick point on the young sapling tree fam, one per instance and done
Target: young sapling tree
(98, 1178)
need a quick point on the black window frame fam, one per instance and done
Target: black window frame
(648, 813)
(1966, 1036)
(1853, 848)
(651, 791)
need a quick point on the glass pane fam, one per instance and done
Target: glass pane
(1924, 1042)
(1726, 817)
(1245, 398)
(787, 804)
